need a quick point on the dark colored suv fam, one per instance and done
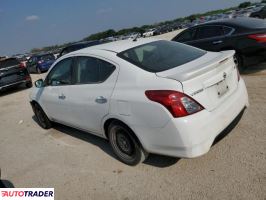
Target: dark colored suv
(13, 73)
(40, 63)
(260, 13)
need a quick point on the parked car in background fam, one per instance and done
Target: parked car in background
(40, 63)
(13, 73)
(144, 96)
(260, 13)
(247, 36)
(78, 46)
(149, 33)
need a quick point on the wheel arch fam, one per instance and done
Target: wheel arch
(107, 123)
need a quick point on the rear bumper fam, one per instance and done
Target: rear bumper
(193, 136)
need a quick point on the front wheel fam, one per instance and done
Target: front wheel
(42, 118)
(125, 146)
(29, 84)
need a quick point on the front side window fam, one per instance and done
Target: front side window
(61, 73)
(161, 55)
(209, 32)
(92, 70)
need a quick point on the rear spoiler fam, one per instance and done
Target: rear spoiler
(198, 66)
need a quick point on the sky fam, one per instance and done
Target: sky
(27, 24)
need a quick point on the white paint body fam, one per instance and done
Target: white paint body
(157, 130)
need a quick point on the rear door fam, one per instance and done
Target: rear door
(211, 37)
(11, 72)
(89, 98)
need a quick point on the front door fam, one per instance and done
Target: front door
(90, 96)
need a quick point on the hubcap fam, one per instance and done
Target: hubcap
(124, 143)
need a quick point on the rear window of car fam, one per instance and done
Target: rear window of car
(161, 55)
(9, 62)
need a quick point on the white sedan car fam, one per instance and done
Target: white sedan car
(144, 96)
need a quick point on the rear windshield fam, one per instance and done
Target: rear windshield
(161, 55)
(47, 57)
(8, 62)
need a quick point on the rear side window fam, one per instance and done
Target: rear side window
(8, 62)
(227, 30)
(161, 55)
(209, 32)
(186, 36)
(92, 70)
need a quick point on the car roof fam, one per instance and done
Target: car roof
(117, 46)
(245, 22)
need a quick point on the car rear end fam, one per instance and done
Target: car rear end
(213, 94)
(13, 73)
(252, 37)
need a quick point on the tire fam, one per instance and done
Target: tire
(38, 70)
(29, 84)
(42, 118)
(238, 58)
(125, 145)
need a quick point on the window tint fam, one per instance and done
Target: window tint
(186, 36)
(227, 30)
(161, 55)
(61, 73)
(209, 31)
(9, 62)
(92, 70)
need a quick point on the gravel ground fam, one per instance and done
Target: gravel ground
(82, 166)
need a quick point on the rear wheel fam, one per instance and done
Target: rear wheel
(125, 146)
(42, 118)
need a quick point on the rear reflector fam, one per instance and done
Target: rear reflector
(178, 104)
(258, 37)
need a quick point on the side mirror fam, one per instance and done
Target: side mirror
(39, 83)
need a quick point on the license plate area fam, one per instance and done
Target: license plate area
(222, 88)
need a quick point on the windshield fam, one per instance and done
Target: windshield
(161, 55)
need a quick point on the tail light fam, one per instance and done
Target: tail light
(22, 65)
(258, 37)
(178, 104)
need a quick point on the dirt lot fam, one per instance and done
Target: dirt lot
(81, 166)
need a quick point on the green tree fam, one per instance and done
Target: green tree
(244, 4)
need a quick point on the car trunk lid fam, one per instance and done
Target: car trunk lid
(210, 79)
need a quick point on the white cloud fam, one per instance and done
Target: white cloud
(104, 10)
(32, 18)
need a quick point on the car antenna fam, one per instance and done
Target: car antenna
(136, 37)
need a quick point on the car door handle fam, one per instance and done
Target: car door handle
(62, 96)
(100, 100)
(217, 42)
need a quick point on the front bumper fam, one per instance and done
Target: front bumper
(193, 136)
